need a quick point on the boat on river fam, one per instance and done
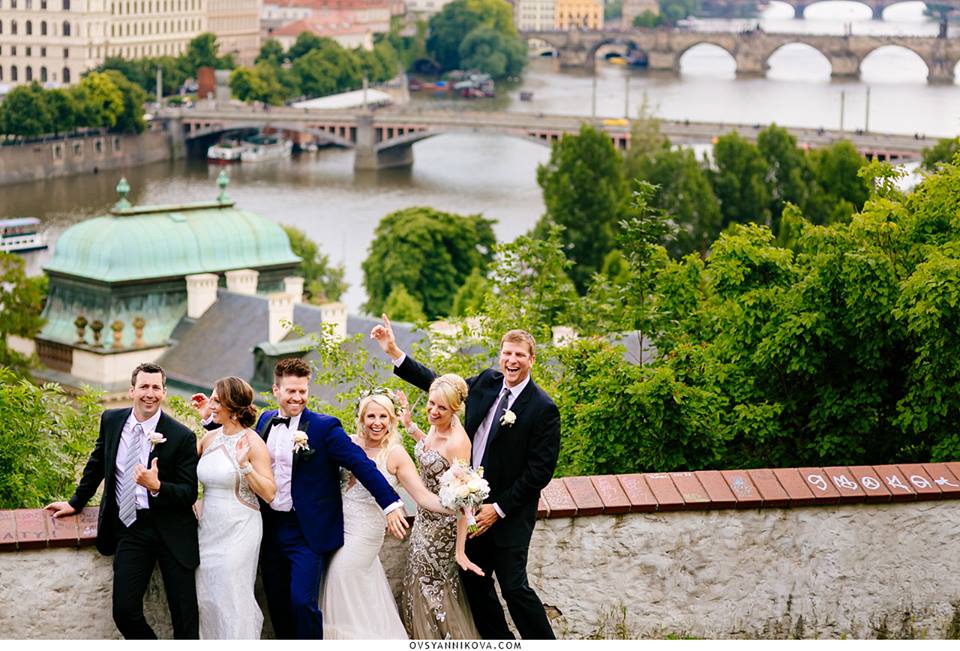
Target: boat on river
(226, 150)
(264, 148)
(21, 234)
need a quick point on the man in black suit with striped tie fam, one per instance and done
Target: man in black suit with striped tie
(514, 427)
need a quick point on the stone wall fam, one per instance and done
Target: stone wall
(85, 155)
(784, 553)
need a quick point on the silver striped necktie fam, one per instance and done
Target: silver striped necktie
(127, 500)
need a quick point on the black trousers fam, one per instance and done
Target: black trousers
(139, 550)
(509, 566)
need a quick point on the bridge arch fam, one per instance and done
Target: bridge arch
(677, 63)
(876, 7)
(777, 51)
(916, 74)
(630, 43)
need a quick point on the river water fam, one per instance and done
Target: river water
(496, 175)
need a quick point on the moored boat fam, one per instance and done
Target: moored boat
(21, 234)
(226, 150)
(263, 148)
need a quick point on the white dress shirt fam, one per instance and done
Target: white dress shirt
(126, 439)
(280, 446)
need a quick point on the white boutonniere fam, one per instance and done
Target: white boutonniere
(155, 438)
(508, 418)
(300, 442)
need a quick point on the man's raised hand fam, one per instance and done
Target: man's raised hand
(149, 479)
(383, 334)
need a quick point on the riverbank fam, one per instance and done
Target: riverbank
(87, 154)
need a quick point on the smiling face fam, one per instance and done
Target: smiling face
(147, 393)
(220, 414)
(438, 411)
(515, 362)
(291, 394)
(376, 423)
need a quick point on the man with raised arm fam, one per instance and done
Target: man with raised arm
(514, 427)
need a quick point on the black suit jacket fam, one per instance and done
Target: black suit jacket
(519, 458)
(172, 508)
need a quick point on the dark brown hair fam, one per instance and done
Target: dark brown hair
(290, 366)
(236, 396)
(147, 367)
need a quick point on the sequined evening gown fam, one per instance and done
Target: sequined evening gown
(230, 532)
(356, 600)
(434, 604)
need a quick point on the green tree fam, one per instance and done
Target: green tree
(788, 171)
(322, 282)
(452, 26)
(648, 19)
(245, 84)
(203, 50)
(429, 252)
(740, 181)
(401, 306)
(493, 52)
(45, 438)
(942, 152)
(584, 191)
(21, 302)
(839, 189)
(130, 119)
(99, 101)
(63, 110)
(260, 83)
(306, 42)
(25, 112)
(469, 299)
(316, 75)
(270, 52)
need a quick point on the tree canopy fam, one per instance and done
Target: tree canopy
(477, 34)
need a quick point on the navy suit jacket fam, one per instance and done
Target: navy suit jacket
(315, 486)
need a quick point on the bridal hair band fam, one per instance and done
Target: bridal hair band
(380, 391)
(459, 390)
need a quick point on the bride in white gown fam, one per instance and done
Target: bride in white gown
(357, 602)
(234, 468)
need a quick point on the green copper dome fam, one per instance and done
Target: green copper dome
(169, 241)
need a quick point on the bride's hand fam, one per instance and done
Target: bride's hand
(467, 565)
(405, 416)
(201, 403)
(243, 451)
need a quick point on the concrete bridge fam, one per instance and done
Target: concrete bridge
(752, 50)
(876, 6)
(385, 138)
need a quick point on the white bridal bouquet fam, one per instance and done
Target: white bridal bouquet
(463, 488)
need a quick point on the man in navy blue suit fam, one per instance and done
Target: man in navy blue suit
(303, 525)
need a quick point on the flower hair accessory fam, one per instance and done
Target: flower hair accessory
(380, 391)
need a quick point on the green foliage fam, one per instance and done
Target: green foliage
(942, 152)
(271, 52)
(63, 110)
(740, 181)
(130, 119)
(612, 10)
(45, 439)
(403, 307)
(470, 298)
(429, 252)
(99, 101)
(261, 83)
(203, 50)
(21, 302)
(322, 282)
(25, 111)
(584, 191)
(648, 20)
(475, 33)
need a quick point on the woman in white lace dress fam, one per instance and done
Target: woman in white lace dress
(356, 601)
(234, 468)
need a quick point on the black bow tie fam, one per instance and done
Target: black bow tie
(279, 420)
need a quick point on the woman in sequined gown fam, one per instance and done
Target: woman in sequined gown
(434, 603)
(234, 468)
(356, 601)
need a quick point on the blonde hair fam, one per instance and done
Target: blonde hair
(520, 337)
(453, 388)
(393, 435)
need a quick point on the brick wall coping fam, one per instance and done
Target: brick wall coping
(616, 494)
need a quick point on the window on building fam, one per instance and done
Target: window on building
(66, 7)
(66, 28)
(29, 27)
(43, 28)
(13, 73)
(43, 4)
(1, 27)
(13, 4)
(13, 27)
(29, 4)
(66, 53)
(66, 75)
(43, 73)
(13, 50)
(1, 73)
(29, 51)
(29, 73)
(43, 51)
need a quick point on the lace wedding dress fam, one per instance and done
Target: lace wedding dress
(230, 533)
(434, 604)
(356, 601)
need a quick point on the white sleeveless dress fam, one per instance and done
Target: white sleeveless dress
(356, 601)
(230, 533)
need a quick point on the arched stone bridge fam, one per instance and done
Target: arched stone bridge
(752, 50)
(385, 138)
(876, 6)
